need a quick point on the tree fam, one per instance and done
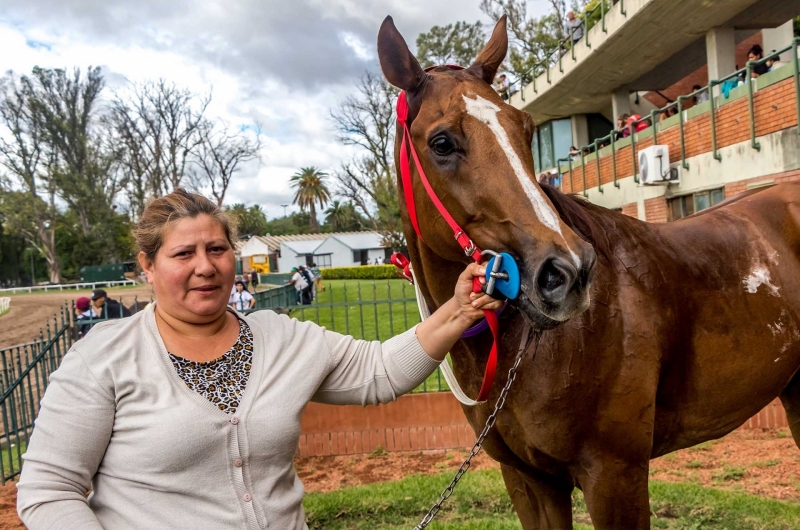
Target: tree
(342, 217)
(366, 121)
(218, 155)
(157, 127)
(531, 39)
(310, 189)
(457, 43)
(28, 193)
(251, 221)
(85, 173)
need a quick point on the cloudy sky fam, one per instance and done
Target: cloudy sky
(281, 63)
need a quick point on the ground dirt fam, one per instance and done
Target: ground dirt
(30, 312)
(761, 463)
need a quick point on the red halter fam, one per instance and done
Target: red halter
(463, 240)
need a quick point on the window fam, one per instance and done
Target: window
(686, 205)
(323, 260)
(551, 141)
(361, 256)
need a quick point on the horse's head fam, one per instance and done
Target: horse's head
(476, 151)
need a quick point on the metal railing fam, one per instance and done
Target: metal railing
(715, 102)
(26, 372)
(5, 304)
(67, 286)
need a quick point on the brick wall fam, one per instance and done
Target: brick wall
(419, 422)
(631, 210)
(655, 210)
(733, 188)
(774, 110)
(415, 422)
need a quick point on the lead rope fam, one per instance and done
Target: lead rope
(501, 401)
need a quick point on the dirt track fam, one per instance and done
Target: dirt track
(30, 312)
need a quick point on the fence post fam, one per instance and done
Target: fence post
(796, 66)
(633, 152)
(571, 185)
(597, 160)
(684, 163)
(583, 168)
(712, 100)
(614, 156)
(753, 142)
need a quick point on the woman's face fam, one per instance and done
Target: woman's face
(239, 287)
(193, 270)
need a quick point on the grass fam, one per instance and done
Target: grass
(481, 503)
(11, 456)
(374, 310)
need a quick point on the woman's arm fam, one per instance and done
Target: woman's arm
(252, 301)
(368, 372)
(71, 435)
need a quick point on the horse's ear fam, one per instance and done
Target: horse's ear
(399, 65)
(493, 54)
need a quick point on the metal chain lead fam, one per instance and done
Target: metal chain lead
(501, 401)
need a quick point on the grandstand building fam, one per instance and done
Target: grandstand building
(642, 56)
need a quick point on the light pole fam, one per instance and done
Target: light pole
(284, 209)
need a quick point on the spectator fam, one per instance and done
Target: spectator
(669, 112)
(299, 283)
(501, 86)
(623, 131)
(241, 300)
(573, 27)
(699, 97)
(318, 287)
(84, 311)
(573, 152)
(106, 308)
(254, 280)
(756, 53)
(309, 293)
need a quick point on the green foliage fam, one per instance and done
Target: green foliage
(294, 223)
(251, 221)
(109, 241)
(343, 217)
(457, 43)
(366, 272)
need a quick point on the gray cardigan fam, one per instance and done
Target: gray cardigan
(118, 420)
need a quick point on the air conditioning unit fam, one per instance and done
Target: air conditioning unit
(654, 167)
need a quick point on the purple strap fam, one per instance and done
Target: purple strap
(482, 325)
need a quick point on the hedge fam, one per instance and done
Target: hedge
(366, 272)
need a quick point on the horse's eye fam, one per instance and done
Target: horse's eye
(442, 146)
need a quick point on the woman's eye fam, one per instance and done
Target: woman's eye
(442, 146)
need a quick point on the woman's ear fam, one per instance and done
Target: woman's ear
(146, 265)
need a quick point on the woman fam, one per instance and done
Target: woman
(241, 299)
(187, 415)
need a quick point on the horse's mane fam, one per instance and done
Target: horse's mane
(590, 221)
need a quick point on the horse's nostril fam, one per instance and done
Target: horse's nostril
(555, 280)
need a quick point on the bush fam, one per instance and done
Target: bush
(367, 272)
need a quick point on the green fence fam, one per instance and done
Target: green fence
(371, 310)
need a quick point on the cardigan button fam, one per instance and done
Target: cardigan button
(235, 420)
(247, 497)
(238, 462)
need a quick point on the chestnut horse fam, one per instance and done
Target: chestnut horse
(660, 336)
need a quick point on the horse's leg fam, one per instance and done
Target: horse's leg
(540, 505)
(790, 397)
(616, 493)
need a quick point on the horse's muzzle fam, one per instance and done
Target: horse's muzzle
(558, 290)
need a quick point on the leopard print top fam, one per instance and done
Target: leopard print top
(223, 380)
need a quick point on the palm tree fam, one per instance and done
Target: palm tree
(337, 215)
(310, 189)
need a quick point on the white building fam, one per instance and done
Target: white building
(342, 249)
(348, 250)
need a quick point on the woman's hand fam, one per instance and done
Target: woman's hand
(472, 304)
(438, 333)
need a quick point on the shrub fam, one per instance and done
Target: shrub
(367, 272)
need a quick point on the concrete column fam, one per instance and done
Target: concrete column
(720, 54)
(580, 130)
(777, 38)
(620, 103)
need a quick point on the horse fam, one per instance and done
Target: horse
(652, 337)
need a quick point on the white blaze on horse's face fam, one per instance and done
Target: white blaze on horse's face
(486, 112)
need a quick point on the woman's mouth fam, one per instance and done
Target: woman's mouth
(206, 288)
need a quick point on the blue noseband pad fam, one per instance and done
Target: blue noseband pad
(502, 277)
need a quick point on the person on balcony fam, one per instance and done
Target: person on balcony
(756, 53)
(699, 97)
(187, 415)
(241, 300)
(573, 28)
(501, 86)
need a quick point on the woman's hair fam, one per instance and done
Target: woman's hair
(756, 50)
(162, 212)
